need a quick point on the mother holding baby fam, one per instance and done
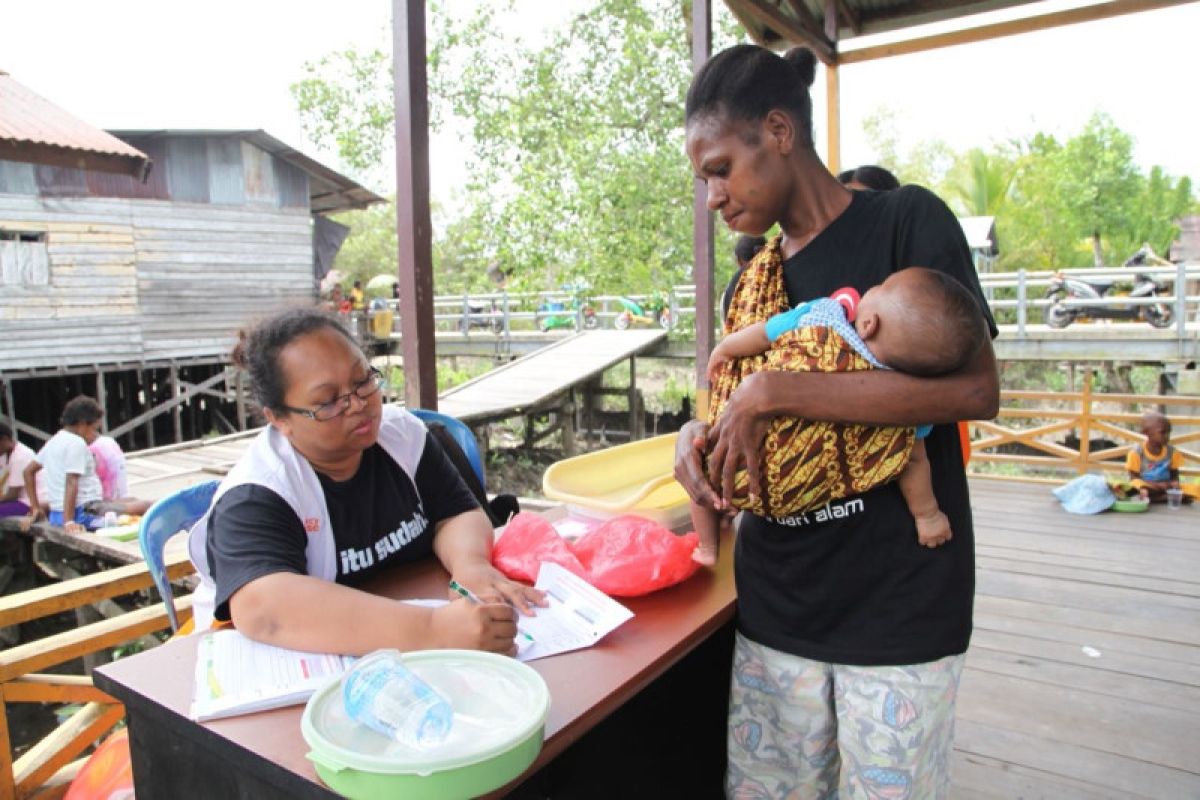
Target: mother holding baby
(851, 636)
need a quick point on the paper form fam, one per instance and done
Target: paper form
(236, 675)
(578, 615)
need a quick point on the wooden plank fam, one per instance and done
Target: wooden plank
(1112, 774)
(1093, 620)
(21, 691)
(66, 742)
(1022, 563)
(66, 595)
(982, 778)
(51, 650)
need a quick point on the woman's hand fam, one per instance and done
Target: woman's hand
(490, 585)
(463, 624)
(737, 438)
(689, 465)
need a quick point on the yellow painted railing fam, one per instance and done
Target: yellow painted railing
(45, 770)
(1041, 422)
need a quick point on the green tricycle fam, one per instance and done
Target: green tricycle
(656, 310)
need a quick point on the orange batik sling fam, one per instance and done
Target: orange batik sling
(805, 464)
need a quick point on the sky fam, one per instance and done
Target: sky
(229, 63)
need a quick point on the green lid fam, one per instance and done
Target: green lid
(498, 703)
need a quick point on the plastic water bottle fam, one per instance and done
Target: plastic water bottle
(386, 696)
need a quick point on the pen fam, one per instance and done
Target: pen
(455, 586)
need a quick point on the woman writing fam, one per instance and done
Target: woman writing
(335, 489)
(851, 635)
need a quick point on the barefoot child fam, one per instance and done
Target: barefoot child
(912, 322)
(1154, 466)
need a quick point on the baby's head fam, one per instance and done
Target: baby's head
(1157, 429)
(921, 321)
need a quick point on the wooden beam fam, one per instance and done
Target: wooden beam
(849, 16)
(63, 744)
(1014, 27)
(703, 263)
(28, 691)
(413, 228)
(790, 29)
(51, 650)
(806, 19)
(187, 393)
(63, 596)
(833, 116)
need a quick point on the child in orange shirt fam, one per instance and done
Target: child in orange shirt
(1154, 466)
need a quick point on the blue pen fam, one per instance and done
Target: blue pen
(455, 586)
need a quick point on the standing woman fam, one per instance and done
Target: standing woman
(851, 635)
(337, 488)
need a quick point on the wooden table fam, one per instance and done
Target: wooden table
(649, 700)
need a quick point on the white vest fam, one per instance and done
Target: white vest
(272, 462)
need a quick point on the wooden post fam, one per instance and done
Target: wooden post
(8, 787)
(1085, 423)
(148, 393)
(833, 114)
(8, 404)
(102, 399)
(633, 405)
(176, 412)
(241, 399)
(413, 227)
(702, 228)
(567, 417)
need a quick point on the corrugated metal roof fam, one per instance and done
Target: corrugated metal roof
(34, 130)
(329, 191)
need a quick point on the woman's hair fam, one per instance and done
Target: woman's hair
(81, 409)
(257, 350)
(870, 176)
(747, 247)
(746, 82)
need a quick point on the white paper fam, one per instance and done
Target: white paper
(578, 615)
(236, 675)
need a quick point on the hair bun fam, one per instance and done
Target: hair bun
(804, 61)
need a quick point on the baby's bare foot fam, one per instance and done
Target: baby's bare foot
(706, 554)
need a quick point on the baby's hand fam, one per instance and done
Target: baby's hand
(716, 360)
(933, 530)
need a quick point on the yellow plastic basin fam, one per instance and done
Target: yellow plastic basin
(635, 478)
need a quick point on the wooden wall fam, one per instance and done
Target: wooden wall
(132, 280)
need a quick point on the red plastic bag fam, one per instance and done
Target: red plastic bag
(527, 541)
(630, 556)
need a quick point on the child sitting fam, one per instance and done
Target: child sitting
(914, 322)
(1154, 465)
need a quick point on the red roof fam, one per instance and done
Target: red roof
(35, 130)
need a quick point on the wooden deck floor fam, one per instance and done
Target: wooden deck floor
(1083, 677)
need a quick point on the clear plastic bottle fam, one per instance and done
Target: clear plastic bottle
(386, 696)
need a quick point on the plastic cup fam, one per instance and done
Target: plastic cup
(1174, 499)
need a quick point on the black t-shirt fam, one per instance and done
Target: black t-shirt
(379, 517)
(849, 583)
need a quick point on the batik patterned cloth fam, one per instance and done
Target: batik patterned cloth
(805, 464)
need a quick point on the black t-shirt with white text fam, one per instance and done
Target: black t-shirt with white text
(849, 583)
(379, 517)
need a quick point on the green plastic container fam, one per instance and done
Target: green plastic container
(500, 707)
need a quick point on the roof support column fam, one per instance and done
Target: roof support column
(413, 228)
(833, 90)
(702, 225)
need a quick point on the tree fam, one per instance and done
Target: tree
(980, 183)
(578, 168)
(1098, 178)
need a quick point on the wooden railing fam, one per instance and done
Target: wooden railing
(45, 770)
(1039, 425)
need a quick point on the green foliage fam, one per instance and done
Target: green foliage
(980, 183)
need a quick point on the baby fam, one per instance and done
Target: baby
(1154, 466)
(919, 321)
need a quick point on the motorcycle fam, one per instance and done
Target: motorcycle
(1063, 287)
(482, 318)
(655, 311)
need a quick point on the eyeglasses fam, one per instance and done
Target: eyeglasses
(338, 405)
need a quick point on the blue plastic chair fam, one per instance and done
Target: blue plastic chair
(462, 435)
(167, 517)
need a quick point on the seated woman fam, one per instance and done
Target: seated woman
(337, 488)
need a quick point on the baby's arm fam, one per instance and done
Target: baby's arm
(916, 484)
(749, 341)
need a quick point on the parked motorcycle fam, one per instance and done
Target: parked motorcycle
(482, 318)
(655, 311)
(1063, 286)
